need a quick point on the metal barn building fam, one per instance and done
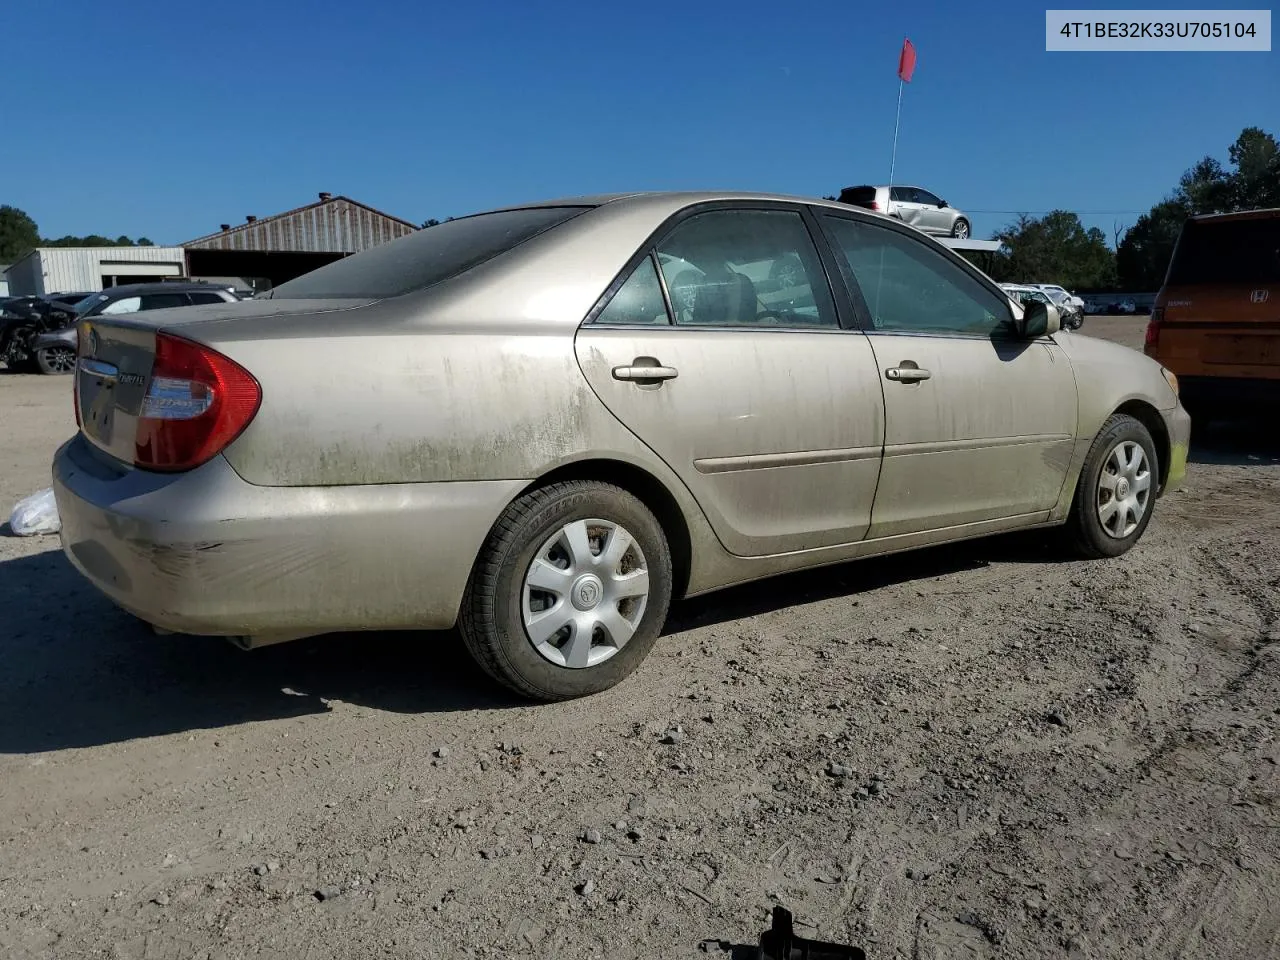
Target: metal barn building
(271, 250)
(47, 270)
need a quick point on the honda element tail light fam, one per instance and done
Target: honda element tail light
(1153, 329)
(197, 402)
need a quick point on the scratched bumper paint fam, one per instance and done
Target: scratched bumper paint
(249, 560)
(1178, 423)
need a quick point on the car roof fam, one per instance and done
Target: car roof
(131, 289)
(668, 202)
(1263, 214)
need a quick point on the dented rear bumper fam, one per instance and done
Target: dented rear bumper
(205, 552)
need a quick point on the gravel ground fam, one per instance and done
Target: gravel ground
(967, 752)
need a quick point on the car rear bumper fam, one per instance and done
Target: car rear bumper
(1177, 423)
(1231, 396)
(205, 552)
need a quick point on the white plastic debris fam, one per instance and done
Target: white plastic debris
(36, 515)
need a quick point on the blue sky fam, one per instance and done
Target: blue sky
(432, 109)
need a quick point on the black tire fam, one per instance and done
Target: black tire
(955, 228)
(1084, 534)
(491, 621)
(52, 361)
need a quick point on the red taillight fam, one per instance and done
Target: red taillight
(875, 205)
(1153, 328)
(197, 402)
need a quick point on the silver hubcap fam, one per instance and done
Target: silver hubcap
(1124, 489)
(585, 593)
(962, 231)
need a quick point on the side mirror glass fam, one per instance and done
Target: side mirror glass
(1039, 319)
(941, 204)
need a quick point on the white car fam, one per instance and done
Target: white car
(1060, 294)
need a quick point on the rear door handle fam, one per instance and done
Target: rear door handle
(907, 374)
(639, 372)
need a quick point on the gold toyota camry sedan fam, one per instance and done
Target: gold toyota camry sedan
(541, 423)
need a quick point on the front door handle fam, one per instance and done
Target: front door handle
(906, 374)
(645, 370)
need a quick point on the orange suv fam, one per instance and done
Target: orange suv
(1216, 320)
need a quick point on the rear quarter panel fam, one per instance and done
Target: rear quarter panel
(417, 406)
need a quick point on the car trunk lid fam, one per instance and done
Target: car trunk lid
(117, 354)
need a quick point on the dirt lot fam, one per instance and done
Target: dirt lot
(968, 752)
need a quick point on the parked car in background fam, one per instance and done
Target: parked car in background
(22, 319)
(511, 423)
(1216, 320)
(1123, 306)
(1062, 294)
(913, 205)
(1072, 318)
(66, 299)
(1072, 314)
(54, 350)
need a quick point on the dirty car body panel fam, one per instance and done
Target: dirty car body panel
(760, 411)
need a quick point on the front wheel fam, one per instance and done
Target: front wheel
(56, 360)
(570, 591)
(960, 229)
(1116, 492)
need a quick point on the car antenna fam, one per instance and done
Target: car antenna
(779, 942)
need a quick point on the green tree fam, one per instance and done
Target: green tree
(1143, 255)
(18, 233)
(431, 223)
(1055, 248)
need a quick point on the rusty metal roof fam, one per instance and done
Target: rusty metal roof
(330, 225)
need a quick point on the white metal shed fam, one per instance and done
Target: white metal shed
(47, 270)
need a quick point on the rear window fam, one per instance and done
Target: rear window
(857, 194)
(428, 257)
(1227, 252)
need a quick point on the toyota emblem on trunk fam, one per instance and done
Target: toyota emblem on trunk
(1261, 296)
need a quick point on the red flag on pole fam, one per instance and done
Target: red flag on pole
(906, 62)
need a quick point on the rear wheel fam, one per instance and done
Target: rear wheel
(570, 591)
(56, 360)
(1116, 492)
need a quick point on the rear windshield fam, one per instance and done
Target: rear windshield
(427, 257)
(1227, 252)
(857, 194)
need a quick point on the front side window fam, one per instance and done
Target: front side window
(123, 305)
(753, 268)
(924, 196)
(911, 288)
(200, 297)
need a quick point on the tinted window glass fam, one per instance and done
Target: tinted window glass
(201, 296)
(909, 287)
(639, 300)
(163, 301)
(745, 268)
(924, 196)
(427, 257)
(901, 195)
(123, 305)
(1228, 252)
(857, 195)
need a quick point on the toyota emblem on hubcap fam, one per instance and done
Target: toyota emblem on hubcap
(587, 592)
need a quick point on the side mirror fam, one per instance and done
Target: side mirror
(1039, 319)
(941, 204)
